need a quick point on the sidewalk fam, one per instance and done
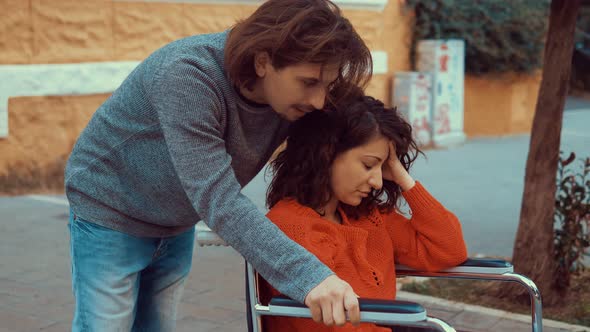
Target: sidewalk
(35, 284)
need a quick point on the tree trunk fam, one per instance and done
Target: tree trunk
(533, 248)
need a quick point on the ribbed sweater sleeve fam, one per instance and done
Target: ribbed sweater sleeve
(432, 239)
(188, 110)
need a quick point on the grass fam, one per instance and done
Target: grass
(576, 311)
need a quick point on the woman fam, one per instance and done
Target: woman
(335, 191)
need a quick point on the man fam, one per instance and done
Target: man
(177, 141)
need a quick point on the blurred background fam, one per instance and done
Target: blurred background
(467, 72)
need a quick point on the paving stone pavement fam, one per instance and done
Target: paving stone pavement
(35, 287)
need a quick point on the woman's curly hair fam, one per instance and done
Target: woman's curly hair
(303, 170)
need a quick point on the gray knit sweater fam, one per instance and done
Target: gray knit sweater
(175, 144)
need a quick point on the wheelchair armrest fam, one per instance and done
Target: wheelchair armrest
(487, 269)
(372, 310)
(471, 265)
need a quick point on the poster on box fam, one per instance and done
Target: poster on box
(412, 97)
(445, 60)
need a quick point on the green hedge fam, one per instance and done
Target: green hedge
(500, 36)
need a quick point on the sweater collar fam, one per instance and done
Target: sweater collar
(306, 211)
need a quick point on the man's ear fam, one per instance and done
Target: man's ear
(261, 63)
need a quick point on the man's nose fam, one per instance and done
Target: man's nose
(318, 98)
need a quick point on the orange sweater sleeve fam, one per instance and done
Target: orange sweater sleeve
(431, 239)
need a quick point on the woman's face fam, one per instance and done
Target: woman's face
(358, 171)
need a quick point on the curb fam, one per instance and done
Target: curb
(487, 311)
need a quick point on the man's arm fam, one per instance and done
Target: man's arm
(188, 105)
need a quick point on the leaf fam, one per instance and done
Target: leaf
(572, 214)
(569, 159)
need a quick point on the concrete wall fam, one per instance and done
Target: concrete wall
(500, 105)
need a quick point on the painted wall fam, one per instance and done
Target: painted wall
(501, 105)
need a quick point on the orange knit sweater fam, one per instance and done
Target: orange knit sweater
(363, 252)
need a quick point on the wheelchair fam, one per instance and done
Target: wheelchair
(392, 313)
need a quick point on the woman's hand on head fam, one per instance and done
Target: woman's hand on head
(394, 171)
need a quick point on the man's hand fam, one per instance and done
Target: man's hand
(331, 301)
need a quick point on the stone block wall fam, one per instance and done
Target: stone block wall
(43, 129)
(69, 31)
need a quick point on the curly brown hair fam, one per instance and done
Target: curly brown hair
(302, 170)
(298, 31)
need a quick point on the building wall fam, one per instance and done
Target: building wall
(43, 129)
(500, 105)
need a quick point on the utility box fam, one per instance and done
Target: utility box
(445, 60)
(412, 97)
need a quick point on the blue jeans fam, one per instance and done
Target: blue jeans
(126, 283)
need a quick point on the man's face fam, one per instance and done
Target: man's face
(296, 90)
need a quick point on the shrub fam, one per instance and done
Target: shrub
(572, 217)
(500, 36)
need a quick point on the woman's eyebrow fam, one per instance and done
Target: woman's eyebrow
(372, 156)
